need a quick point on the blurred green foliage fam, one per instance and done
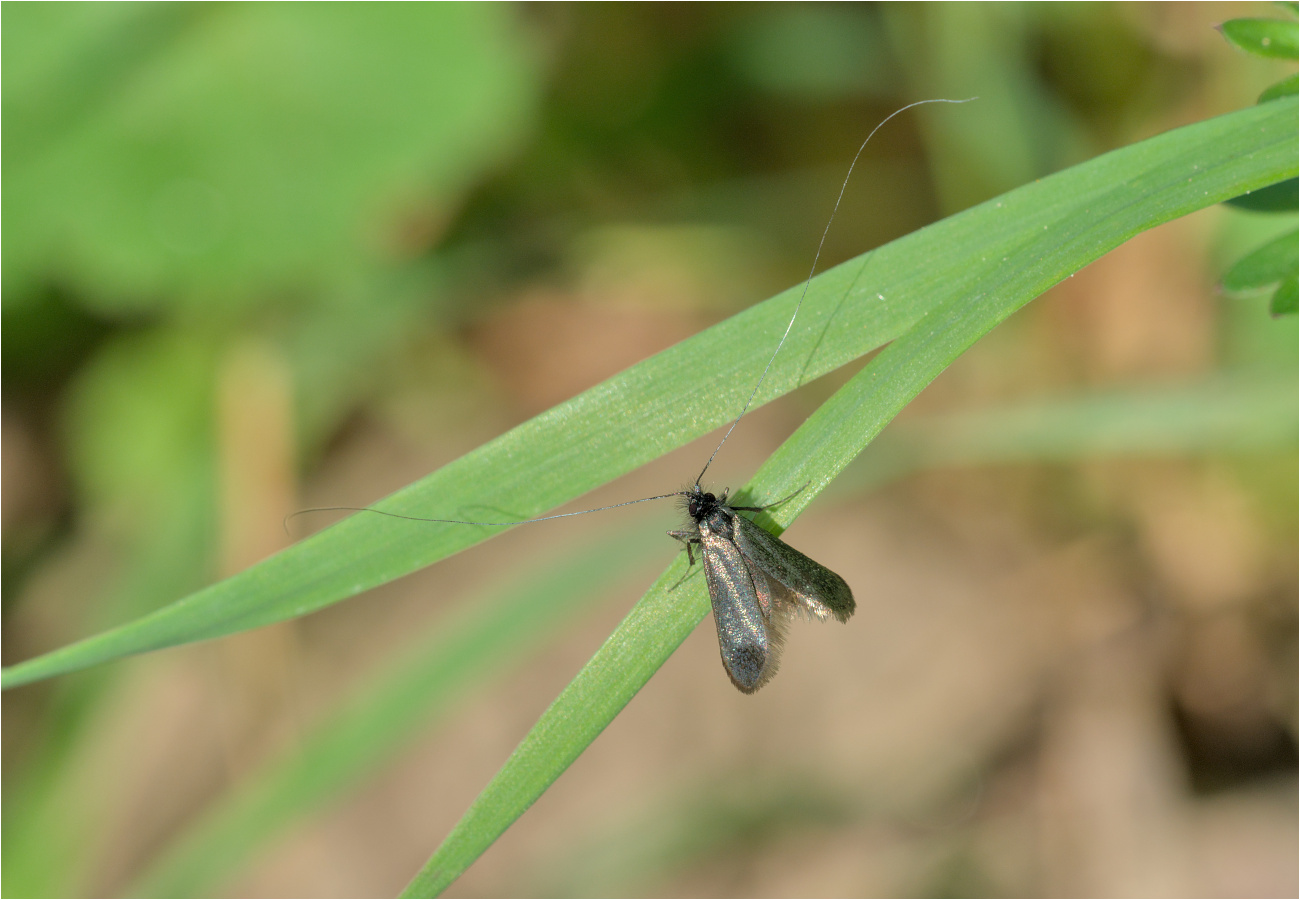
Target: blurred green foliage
(200, 159)
(358, 186)
(181, 176)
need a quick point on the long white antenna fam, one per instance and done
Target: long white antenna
(807, 284)
(754, 393)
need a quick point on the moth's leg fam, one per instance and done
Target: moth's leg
(687, 538)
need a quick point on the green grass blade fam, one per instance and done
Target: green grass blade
(1223, 415)
(1023, 243)
(951, 269)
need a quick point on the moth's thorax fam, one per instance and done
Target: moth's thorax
(711, 513)
(700, 503)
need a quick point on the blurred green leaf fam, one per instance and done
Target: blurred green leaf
(1284, 300)
(810, 51)
(157, 153)
(1240, 414)
(1281, 197)
(1022, 243)
(1264, 37)
(1286, 86)
(1271, 263)
(1021, 131)
(140, 419)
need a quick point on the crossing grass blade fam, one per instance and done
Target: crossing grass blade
(977, 266)
(960, 278)
(1225, 416)
(1241, 415)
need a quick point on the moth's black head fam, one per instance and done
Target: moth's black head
(699, 503)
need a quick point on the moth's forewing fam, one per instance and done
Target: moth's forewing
(779, 605)
(747, 654)
(816, 588)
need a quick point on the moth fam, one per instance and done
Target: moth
(757, 583)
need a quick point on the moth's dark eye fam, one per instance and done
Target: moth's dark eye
(693, 507)
(710, 499)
